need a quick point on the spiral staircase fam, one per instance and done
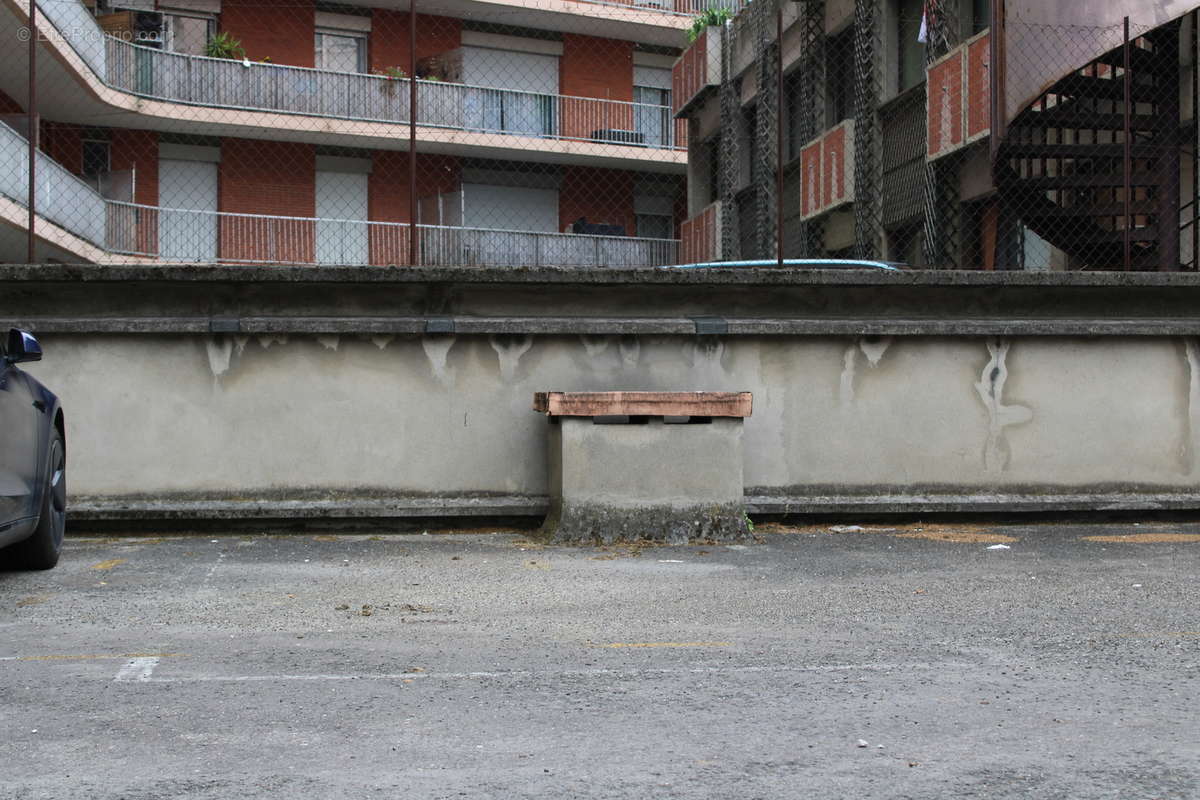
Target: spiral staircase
(1062, 167)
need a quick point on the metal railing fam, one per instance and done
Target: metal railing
(247, 85)
(183, 235)
(679, 8)
(218, 236)
(61, 197)
(445, 246)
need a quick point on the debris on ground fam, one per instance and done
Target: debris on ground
(999, 547)
(862, 742)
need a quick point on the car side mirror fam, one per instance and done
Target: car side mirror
(22, 347)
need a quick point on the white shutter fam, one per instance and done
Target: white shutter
(342, 209)
(508, 69)
(652, 77)
(187, 223)
(509, 208)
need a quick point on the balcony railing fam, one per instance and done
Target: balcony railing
(215, 236)
(61, 197)
(681, 8)
(211, 236)
(244, 85)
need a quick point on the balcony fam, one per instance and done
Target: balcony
(244, 85)
(103, 228)
(681, 8)
(454, 117)
(62, 198)
(701, 236)
(207, 236)
(697, 71)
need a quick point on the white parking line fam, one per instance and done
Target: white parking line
(576, 673)
(137, 669)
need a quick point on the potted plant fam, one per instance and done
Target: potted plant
(223, 45)
(711, 17)
(392, 74)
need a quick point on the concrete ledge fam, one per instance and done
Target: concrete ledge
(969, 503)
(102, 508)
(609, 326)
(271, 273)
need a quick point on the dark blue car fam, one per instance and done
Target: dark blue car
(33, 462)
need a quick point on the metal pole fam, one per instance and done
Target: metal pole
(33, 130)
(1195, 141)
(412, 133)
(1128, 153)
(779, 135)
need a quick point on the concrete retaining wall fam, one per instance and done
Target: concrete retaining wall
(299, 422)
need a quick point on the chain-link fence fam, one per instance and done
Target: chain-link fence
(594, 134)
(535, 132)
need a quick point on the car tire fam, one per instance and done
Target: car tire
(41, 550)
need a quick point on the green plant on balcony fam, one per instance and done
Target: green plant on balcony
(223, 45)
(709, 18)
(392, 74)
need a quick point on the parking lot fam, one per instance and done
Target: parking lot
(820, 662)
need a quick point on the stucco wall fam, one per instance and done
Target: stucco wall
(225, 416)
(352, 391)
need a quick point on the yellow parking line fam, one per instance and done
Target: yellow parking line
(664, 644)
(1145, 538)
(88, 656)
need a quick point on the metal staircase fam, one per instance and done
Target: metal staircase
(1096, 137)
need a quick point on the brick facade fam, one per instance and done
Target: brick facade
(138, 151)
(63, 143)
(388, 197)
(602, 196)
(282, 30)
(594, 67)
(273, 179)
(388, 46)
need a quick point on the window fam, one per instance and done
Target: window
(652, 109)
(793, 98)
(981, 15)
(712, 156)
(910, 51)
(95, 160)
(341, 51)
(188, 33)
(839, 71)
(655, 226)
(652, 115)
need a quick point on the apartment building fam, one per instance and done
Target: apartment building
(248, 131)
(945, 134)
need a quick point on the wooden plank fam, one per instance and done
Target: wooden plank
(644, 404)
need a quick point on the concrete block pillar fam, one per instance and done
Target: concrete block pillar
(645, 465)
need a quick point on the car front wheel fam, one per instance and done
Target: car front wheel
(41, 550)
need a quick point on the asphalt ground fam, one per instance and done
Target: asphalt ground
(900, 662)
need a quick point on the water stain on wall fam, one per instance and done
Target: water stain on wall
(873, 348)
(630, 348)
(510, 348)
(1191, 418)
(996, 453)
(437, 350)
(220, 353)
